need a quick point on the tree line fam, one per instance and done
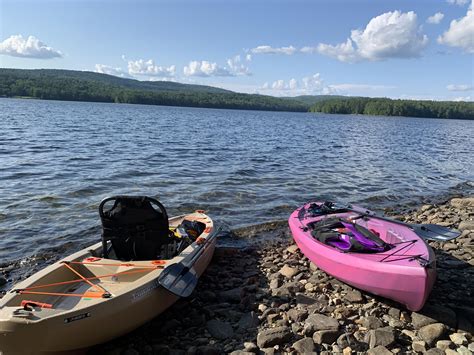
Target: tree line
(389, 107)
(52, 87)
(51, 84)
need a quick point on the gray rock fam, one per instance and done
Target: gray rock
(297, 315)
(432, 332)
(325, 336)
(354, 296)
(249, 320)
(371, 322)
(347, 340)
(463, 350)
(130, 351)
(321, 322)
(444, 344)
(466, 225)
(434, 351)
(292, 249)
(240, 352)
(458, 338)
(394, 313)
(208, 350)
(419, 346)
(275, 283)
(304, 300)
(274, 336)
(304, 346)
(419, 320)
(220, 330)
(379, 350)
(382, 336)
(462, 202)
(234, 295)
(3, 281)
(250, 347)
(288, 271)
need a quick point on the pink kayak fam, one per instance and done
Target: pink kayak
(378, 256)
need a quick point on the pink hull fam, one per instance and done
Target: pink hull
(393, 274)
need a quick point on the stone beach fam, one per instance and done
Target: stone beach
(269, 299)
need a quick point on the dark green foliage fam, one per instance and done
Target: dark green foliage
(87, 86)
(313, 99)
(389, 107)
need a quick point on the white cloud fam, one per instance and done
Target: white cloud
(436, 18)
(390, 35)
(464, 98)
(462, 87)
(248, 57)
(31, 47)
(236, 67)
(279, 85)
(107, 69)
(309, 49)
(205, 68)
(343, 52)
(311, 85)
(272, 50)
(356, 88)
(149, 68)
(457, 2)
(460, 33)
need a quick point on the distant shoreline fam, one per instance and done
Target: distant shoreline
(70, 85)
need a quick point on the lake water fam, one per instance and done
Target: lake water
(59, 159)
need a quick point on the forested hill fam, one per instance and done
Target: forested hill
(389, 107)
(72, 85)
(53, 84)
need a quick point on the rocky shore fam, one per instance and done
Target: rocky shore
(270, 299)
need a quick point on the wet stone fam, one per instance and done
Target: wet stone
(325, 336)
(382, 336)
(321, 322)
(419, 346)
(297, 315)
(354, 296)
(444, 344)
(274, 336)
(288, 271)
(219, 329)
(304, 346)
(371, 322)
(431, 333)
(379, 350)
(249, 320)
(458, 338)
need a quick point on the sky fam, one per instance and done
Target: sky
(399, 49)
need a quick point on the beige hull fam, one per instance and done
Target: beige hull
(78, 322)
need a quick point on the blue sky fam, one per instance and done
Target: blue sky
(399, 49)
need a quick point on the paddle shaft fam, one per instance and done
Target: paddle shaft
(373, 215)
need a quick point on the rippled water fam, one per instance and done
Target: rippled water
(59, 159)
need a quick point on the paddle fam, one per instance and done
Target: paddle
(426, 231)
(180, 278)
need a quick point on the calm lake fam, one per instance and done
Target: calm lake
(59, 159)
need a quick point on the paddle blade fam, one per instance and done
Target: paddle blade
(435, 232)
(178, 279)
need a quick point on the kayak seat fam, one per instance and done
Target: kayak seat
(136, 226)
(347, 236)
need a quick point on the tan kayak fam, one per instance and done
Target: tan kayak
(83, 300)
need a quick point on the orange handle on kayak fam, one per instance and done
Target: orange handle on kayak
(26, 303)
